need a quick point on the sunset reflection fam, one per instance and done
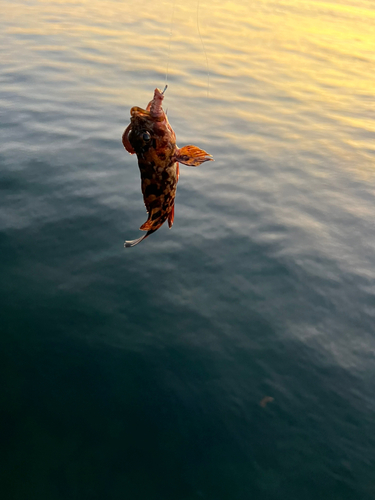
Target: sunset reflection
(292, 69)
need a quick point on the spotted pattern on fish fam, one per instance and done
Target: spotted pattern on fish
(151, 137)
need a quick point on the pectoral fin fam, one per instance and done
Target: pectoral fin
(192, 156)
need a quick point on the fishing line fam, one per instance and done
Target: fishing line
(201, 39)
(169, 43)
(205, 52)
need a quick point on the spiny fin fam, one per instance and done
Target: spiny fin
(192, 156)
(171, 217)
(132, 243)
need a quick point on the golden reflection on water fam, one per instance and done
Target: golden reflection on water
(298, 71)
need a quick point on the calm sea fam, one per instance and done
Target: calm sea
(141, 373)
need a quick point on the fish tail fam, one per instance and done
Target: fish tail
(133, 243)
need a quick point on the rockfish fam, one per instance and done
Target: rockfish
(151, 137)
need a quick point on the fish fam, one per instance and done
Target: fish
(150, 136)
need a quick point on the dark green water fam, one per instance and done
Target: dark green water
(138, 373)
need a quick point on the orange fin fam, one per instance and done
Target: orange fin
(171, 217)
(192, 156)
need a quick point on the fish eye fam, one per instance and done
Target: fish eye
(146, 136)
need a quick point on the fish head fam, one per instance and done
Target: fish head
(149, 134)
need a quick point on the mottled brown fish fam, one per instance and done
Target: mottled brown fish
(151, 137)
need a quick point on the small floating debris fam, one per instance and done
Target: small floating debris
(267, 399)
